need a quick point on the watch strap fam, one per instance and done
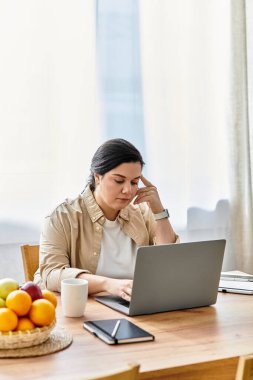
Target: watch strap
(162, 215)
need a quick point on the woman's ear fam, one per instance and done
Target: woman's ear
(97, 179)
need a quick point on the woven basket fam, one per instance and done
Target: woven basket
(28, 338)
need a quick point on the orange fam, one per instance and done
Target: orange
(8, 319)
(24, 323)
(42, 312)
(19, 301)
(50, 296)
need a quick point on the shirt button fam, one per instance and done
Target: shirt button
(97, 228)
(95, 253)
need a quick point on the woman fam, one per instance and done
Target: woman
(96, 235)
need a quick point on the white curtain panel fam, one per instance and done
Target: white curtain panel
(185, 60)
(241, 134)
(49, 113)
(197, 64)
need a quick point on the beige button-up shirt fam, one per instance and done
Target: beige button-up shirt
(71, 238)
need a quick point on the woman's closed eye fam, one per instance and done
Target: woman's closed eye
(120, 182)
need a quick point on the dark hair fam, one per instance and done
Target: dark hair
(111, 154)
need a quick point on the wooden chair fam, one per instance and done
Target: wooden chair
(245, 368)
(131, 373)
(30, 257)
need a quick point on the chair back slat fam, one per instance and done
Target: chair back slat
(245, 368)
(30, 258)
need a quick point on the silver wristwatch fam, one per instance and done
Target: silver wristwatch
(162, 215)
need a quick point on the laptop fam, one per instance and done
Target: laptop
(172, 277)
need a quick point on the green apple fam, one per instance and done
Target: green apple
(7, 285)
(2, 302)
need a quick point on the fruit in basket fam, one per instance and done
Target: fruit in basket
(8, 319)
(32, 289)
(50, 296)
(19, 301)
(7, 285)
(42, 312)
(2, 302)
(24, 324)
(25, 308)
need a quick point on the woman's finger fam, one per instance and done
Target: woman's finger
(147, 188)
(128, 291)
(125, 296)
(145, 181)
(147, 196)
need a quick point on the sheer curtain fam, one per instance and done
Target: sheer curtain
(49, 108)
(185, 51)
(49, 114)
(241, 134)
(197, 65)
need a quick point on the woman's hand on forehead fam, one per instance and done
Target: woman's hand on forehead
(149, 194)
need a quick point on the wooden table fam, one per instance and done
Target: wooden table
(202, 343)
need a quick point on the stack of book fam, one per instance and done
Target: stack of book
(236, 282)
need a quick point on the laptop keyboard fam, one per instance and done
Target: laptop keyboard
(124, 303)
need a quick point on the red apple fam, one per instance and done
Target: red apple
(32, 289)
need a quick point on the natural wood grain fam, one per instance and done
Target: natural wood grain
(131, 373)
(30, 258)
(245, 368)
(202, 343)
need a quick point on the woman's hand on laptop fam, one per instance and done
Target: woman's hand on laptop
(120, 288)
(149, 194)
(116, 287)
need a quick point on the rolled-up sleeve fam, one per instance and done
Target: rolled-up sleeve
(55, 254)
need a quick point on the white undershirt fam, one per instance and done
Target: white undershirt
(118, 252)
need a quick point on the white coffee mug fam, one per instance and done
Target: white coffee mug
(74, 295)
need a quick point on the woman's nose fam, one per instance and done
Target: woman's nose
(126, 188)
